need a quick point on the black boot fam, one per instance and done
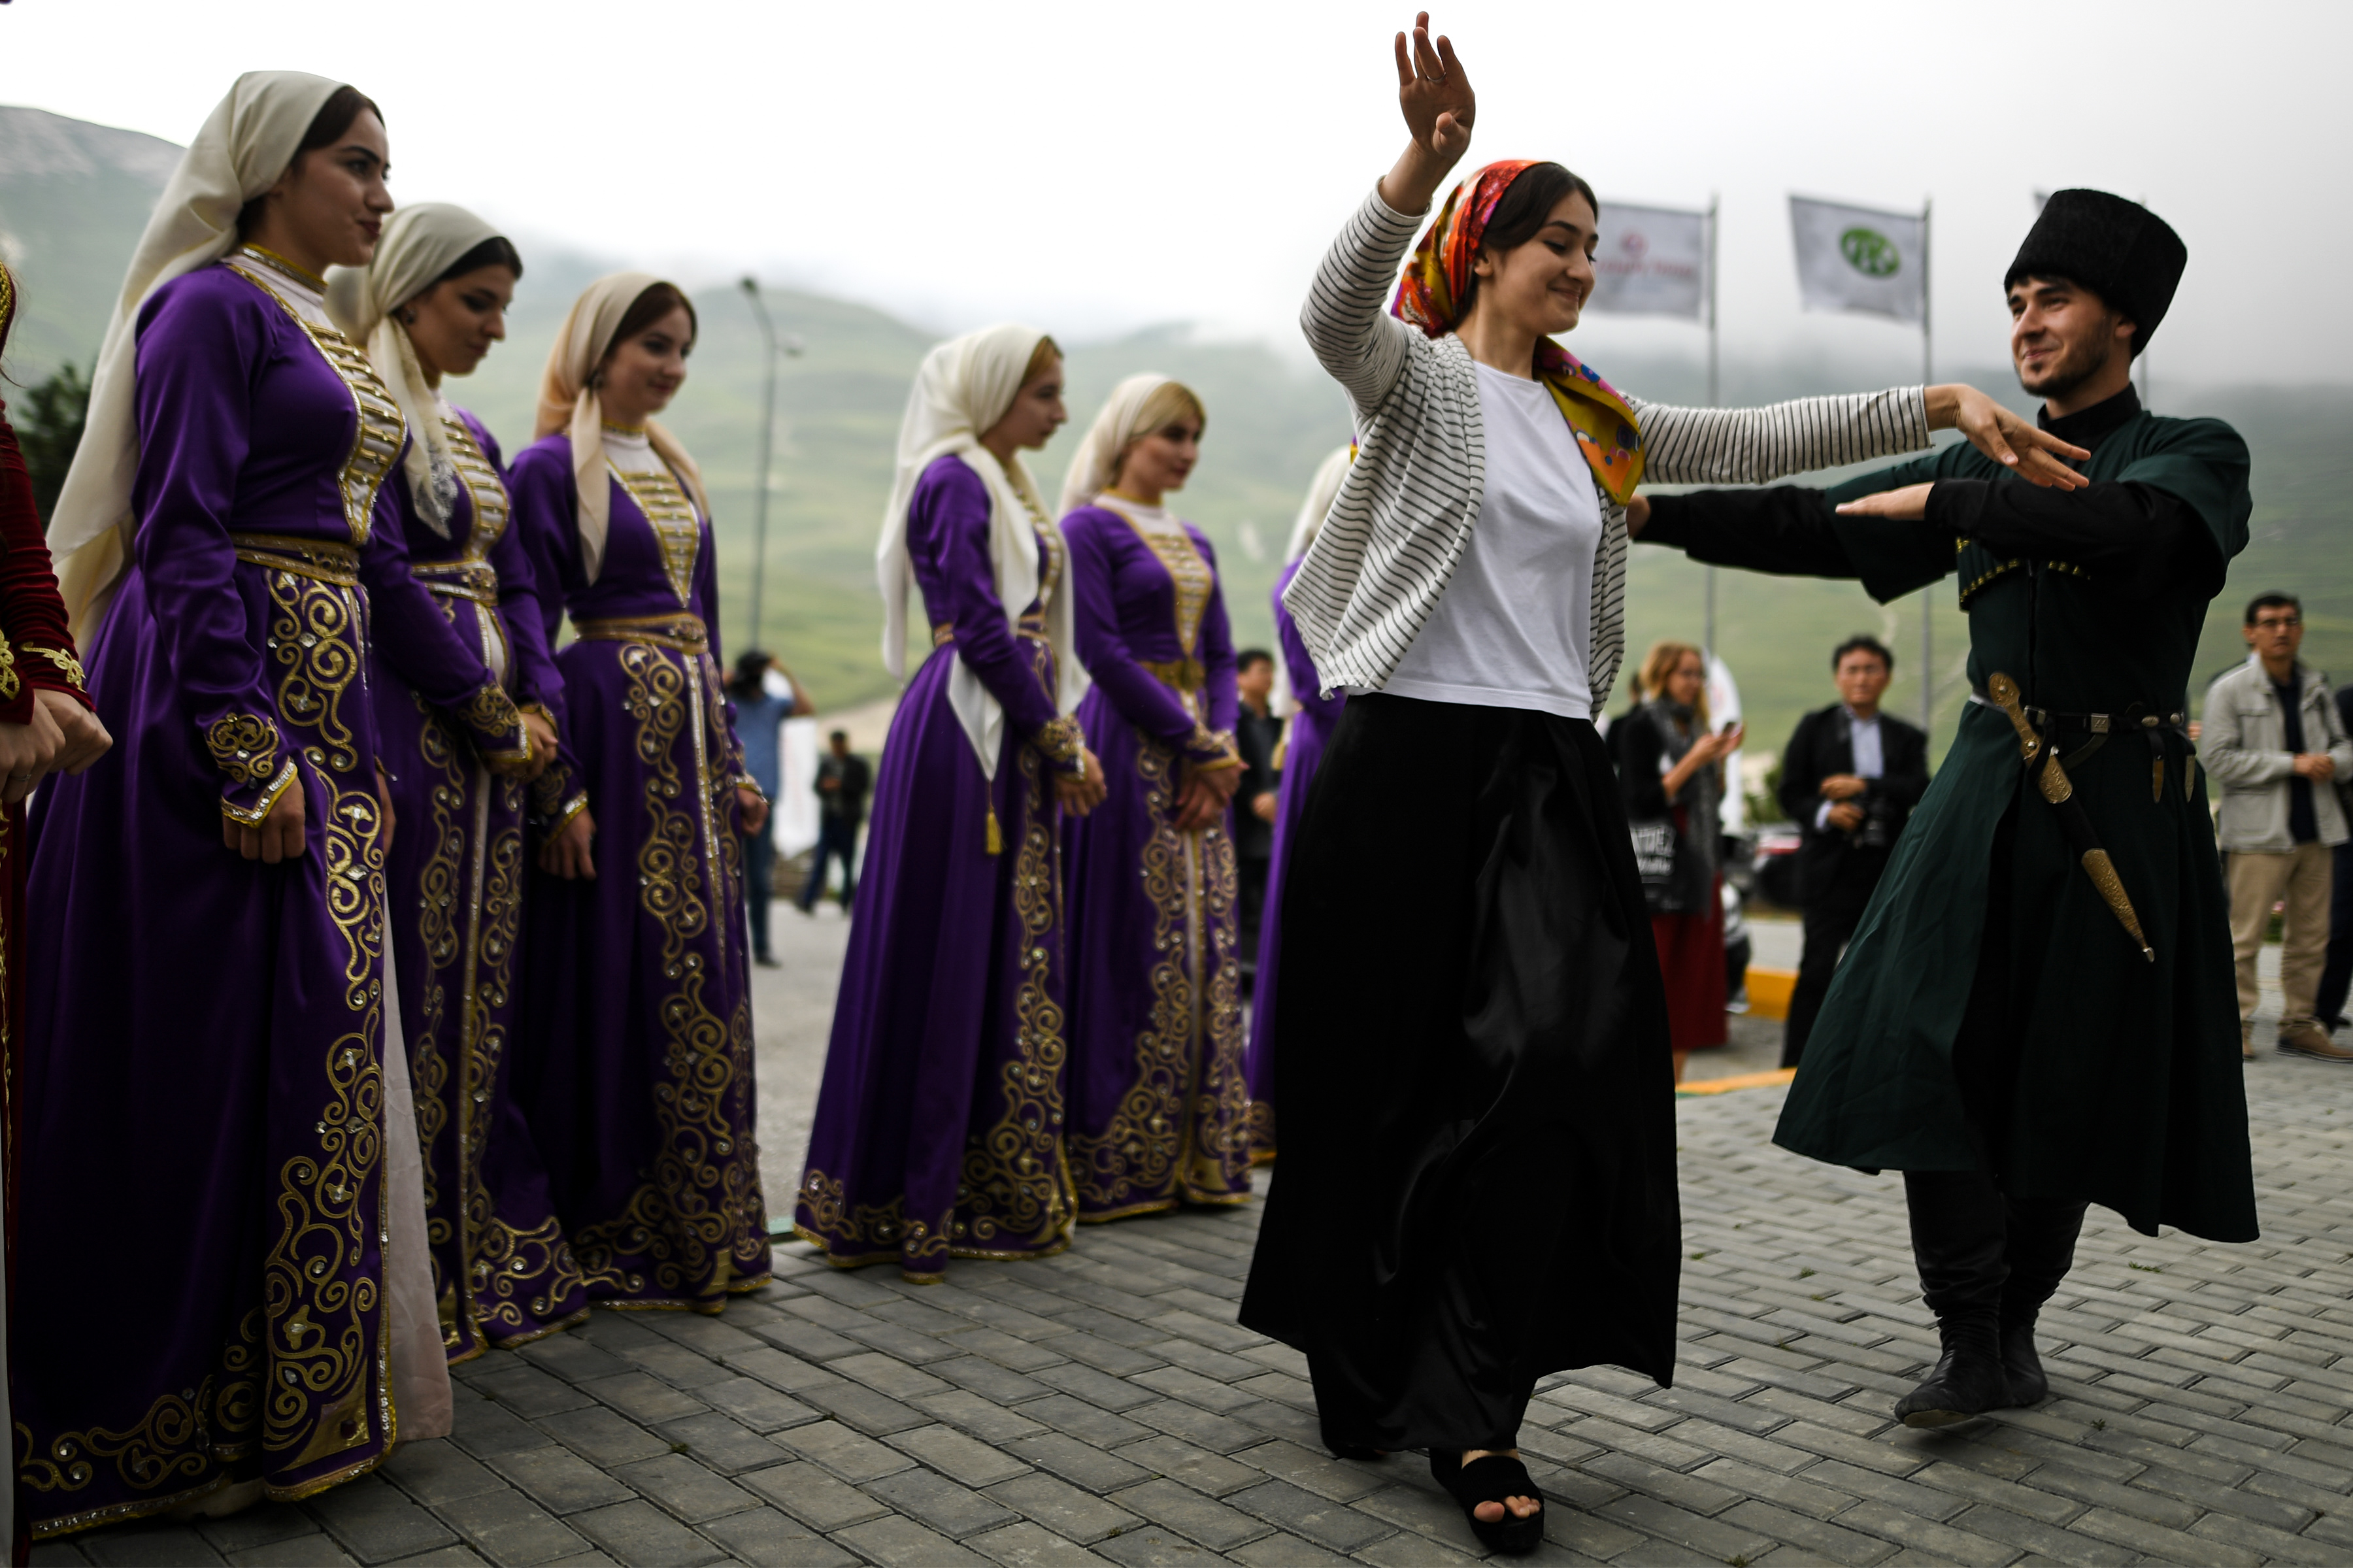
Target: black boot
(1967, 1379)
(1958, 1229)
(2040, 1249)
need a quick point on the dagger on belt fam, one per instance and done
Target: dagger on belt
(2042, 766)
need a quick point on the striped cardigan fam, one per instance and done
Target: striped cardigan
(1404, 514)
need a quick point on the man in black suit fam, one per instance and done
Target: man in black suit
(1849, 777)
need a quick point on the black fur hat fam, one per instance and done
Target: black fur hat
(2118, 249)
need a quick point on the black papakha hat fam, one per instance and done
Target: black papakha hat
(2118, 249)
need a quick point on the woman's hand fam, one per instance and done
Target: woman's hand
(1909, 504)
(1434, 94)
(751, 808)
(84, 738)
(542, 743)
(2033, 454)
(28, 752)
(566, 852)
(1207, 791)
(1081, 792)
(280, 836)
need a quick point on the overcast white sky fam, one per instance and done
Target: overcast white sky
(1093, 166)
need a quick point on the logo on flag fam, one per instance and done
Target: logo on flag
(1652, 261)
(1860, 258)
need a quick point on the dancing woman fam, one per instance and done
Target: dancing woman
(211, 1028)
(429, 305)
(1306, 729)
(940, 1125)
(635, 1070)
(1478, 1182)
(1160, 1106)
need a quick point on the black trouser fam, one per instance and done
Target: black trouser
(1980, 1250)
(836, 835)
(2336, 975)
(1834, 903)
(1253, 874)
(759, 880)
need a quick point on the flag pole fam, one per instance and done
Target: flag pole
(1927, 378)
(1713, 347)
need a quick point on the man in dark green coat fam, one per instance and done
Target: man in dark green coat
(1997, 1033)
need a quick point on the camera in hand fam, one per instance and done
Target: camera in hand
(1882, 821)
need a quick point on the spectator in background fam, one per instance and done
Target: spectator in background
(2275, 743)
(1670, 767)
(1849, 778)
(766, 695)
(1256, 733)
(2337, 977)
(842, 780)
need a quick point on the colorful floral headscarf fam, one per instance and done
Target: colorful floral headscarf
(1438, 273)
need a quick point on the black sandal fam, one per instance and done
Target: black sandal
(1491, 1479)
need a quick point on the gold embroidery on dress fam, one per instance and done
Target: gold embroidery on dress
(678, 528)
(699, 1215)
(1183, 1126)
(1171, 543)
(10, 683)
(380, 430)
(68, 666)
(244, 747)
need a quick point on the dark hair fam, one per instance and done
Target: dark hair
(334, 118)
(1524, 209)
(751, 670)
(1250, 655)
(2273, 602)
(657, 301)
(495, 251)
(1859, 643)
(841, 735)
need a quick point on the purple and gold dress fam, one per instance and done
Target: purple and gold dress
(206, 1068)
(635, 1063)
(1309, 727)
(1159, 1103)
(939, 1127)
(503, 1273)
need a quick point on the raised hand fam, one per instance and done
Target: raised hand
(2016, 443)
(1434, 94)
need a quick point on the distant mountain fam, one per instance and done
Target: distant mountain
(74, 196)
(73, 199)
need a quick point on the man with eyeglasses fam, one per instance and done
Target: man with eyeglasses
(2273, 741)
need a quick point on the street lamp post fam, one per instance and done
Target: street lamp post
(767, 439)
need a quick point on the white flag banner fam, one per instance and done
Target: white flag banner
(1860, 258)
(1652, 261)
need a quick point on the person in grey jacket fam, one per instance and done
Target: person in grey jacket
(2273, 740)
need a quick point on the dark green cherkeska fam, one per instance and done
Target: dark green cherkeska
(2128, 1090)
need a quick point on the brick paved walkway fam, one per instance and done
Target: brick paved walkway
(1103, 1405)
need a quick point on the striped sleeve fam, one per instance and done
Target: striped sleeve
(1757, 446)
(1357, 343)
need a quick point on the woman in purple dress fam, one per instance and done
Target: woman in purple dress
(1159, 1102)
(208, 1032)
(635, 1066)
(1305, 730)
(939, 1129)
(430, 304)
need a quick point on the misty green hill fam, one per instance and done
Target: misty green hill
(71, 208)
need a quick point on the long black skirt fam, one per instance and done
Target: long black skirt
(1477, 1185)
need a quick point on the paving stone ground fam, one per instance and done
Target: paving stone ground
(1103, 1406)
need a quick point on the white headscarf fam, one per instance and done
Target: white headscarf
(1114, 430)
(1321, 491)
(418, 244)
(964, 387)
(247, 143)
(568, 400)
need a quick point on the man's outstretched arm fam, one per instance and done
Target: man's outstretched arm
(1793, 532)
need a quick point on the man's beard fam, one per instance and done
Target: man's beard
(2075, 368)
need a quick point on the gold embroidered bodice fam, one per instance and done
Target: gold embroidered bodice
(488, 491)
(380, 430)
(1171, 543)
(678, 530)
(1049, 554)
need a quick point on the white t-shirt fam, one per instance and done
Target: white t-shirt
(1515, 626)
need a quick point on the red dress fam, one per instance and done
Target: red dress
(36, 650)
